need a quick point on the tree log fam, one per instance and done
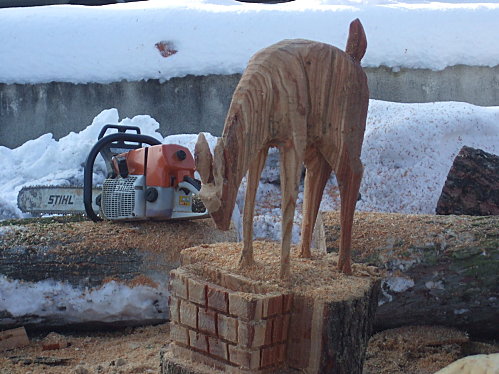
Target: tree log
(472, 185)
(438, 269)
(75, 257)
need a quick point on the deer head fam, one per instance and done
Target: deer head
(213, 189)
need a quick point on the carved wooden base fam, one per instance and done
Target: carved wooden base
(237, 321)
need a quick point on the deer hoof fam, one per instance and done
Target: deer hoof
(245, 262)
(345, 268)
(305, 253)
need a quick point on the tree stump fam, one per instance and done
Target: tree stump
(227, 319)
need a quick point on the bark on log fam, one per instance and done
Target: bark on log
(84, 256)
(472, 186)
(439, 269)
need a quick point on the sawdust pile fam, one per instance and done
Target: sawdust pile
(317, 276)
(407, 350)
(397, 233)
(69, 235)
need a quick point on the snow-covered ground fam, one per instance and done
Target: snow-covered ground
(408, 148)
(117, 42)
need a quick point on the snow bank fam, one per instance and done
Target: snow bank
(117, 42)
(407, 153)
(57, 300)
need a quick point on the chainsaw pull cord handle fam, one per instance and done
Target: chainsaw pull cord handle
(89, 164)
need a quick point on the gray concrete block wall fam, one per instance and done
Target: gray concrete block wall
(199, 103)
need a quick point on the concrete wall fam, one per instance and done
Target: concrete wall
(199, 103)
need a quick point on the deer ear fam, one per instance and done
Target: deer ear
(203, 159)
(357, 42)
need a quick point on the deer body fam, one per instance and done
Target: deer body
(310, 100)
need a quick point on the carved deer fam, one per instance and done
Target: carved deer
(310, 100)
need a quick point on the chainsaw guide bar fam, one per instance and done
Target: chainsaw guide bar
(54, 200)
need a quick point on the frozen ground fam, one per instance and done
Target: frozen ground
(117, 42)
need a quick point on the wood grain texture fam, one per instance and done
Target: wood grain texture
(439, 270)
(310, 100)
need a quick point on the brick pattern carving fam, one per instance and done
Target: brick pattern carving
(233, 331)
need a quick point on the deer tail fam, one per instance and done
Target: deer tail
(357, 42)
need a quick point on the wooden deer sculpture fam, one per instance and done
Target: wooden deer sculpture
(310, 100)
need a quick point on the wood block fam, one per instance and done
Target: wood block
(178, 284)
(218, 299)
(277, 329)
(272, 306)
(174, 304)
(207, 321)
(218, 348)
(253, 335)
(244, 307)
(197, 291)
(287, 303)
(188, 314)
(13, 338)
(198, 341)
(227, 328)
(179, 334)
(245, 358)
(273, 355)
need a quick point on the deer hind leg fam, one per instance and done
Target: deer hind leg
(291, 165)
(349, 175)
(316, 177)
(253, 179)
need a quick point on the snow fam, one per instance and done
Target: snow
(407, 153)
(58, 300)
(110, 43)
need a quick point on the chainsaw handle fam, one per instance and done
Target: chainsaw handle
(89, 164)
(120, 128)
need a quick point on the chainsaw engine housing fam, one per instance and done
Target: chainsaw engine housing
(156, 182)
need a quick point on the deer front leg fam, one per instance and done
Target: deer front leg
(291, 165)
(349, 175)
(254, 173)
(316, 177)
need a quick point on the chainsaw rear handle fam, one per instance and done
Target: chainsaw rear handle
(89, 164)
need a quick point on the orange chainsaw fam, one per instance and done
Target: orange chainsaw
(154, 182)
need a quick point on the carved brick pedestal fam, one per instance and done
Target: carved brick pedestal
(222, 322)
(227, 329)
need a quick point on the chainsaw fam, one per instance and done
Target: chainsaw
(154, 182)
